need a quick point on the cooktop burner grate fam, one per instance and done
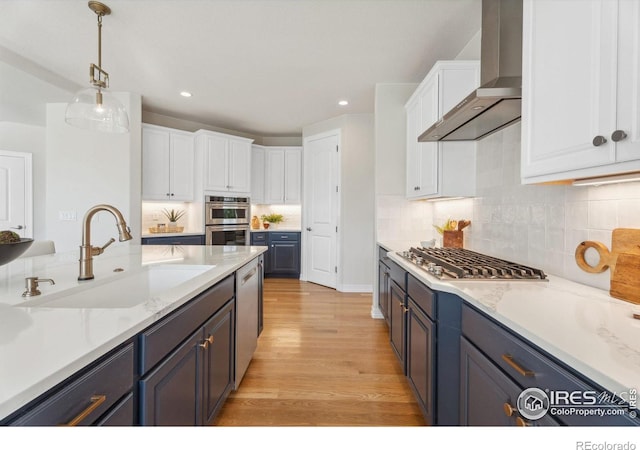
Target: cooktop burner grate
(459, 263)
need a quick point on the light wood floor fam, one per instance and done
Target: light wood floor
(321, 360)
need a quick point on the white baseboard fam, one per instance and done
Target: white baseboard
(364, 288)
(376, 313)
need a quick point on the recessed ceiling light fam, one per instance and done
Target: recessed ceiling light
(185, 94)
(343, 102)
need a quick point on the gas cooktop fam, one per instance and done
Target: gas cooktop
(451, 264)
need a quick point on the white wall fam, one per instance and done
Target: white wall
(397, 219)
(18, 137)
(85, 168)
(356, 221)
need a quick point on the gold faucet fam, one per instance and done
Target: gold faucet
(87, 251)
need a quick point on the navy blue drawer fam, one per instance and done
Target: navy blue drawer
(398, 274)
(284, 236)
(157, 341)
(382, 253)
(95, 392)
(174, 240)
(259, 238)
(424, 297)
(528, 366)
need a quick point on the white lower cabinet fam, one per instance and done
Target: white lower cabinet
(580, 99)
(440, 169)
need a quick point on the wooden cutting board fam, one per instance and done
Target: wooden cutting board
(623, 261)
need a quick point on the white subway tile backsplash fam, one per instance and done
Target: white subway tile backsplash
(603, 214)
(629, 213)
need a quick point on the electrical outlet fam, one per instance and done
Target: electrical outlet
(68, 216)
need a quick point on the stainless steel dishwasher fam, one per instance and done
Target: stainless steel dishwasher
(247, 301)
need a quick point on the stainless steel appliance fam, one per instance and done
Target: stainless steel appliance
(452, 264)
(247, 316)
(497, 102)
(227, 220)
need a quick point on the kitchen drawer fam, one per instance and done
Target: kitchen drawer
(93, 392)
(174, 240)
(382, 254)
(259, 238)
(397, 273)
(157, 341)
(121, 415)
(276, 236)
(423, 297)
(527, 366)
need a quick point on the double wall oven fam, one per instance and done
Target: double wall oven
(227, 220)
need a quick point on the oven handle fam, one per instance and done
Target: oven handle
(227, 227)
(227, 205)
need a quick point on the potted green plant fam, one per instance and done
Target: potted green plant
(173, 216)
(271, 218)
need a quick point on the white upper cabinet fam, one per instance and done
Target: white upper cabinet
(580, 99)
(282, 175)
(167, 164)
(257, 174)
(440, 169)
(227, 163)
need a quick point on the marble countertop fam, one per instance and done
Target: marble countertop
(190, 233)
(42, 346)
(582, 326)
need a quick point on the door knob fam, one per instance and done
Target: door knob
(618, 135)
(598, 141)
(308, 228)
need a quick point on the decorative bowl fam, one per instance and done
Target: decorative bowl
(10, 251)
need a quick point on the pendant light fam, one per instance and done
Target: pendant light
(94, 108)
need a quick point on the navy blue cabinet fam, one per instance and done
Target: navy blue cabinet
(174, 240)
(171, 394)
(497, 365)
(282, 260)
(187, 360)
(88, 398)
(421, 335)
(219, 364)
(383, 283)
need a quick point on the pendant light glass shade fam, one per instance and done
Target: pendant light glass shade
(97, 110)
(93, 108)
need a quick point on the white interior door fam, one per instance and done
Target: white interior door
(16, 193)
(321, 206)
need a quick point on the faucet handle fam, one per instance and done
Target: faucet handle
(31, 285)
(95, 251)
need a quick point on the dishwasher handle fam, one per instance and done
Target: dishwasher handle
(248, 276)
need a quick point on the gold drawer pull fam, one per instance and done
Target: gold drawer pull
(96, 401)
(521, 422)
(508, 410)
(517, 367)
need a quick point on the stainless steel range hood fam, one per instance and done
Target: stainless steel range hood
(497, 102)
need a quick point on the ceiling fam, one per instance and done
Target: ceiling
(265, 67)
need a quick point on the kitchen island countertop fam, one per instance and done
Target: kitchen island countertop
(582, 326)
(42, 346)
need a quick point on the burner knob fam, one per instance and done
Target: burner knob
(419, 260)
(430, 266)
(437, 270)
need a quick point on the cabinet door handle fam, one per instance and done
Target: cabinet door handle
(508, 409)
(517, 367)
(598, 141)
(96, 401)
(308, 228)
(521, 422)
(208, 341)
(618, 135)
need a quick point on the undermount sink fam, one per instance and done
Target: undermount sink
(125, 290)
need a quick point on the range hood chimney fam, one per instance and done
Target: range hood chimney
(497, 102)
